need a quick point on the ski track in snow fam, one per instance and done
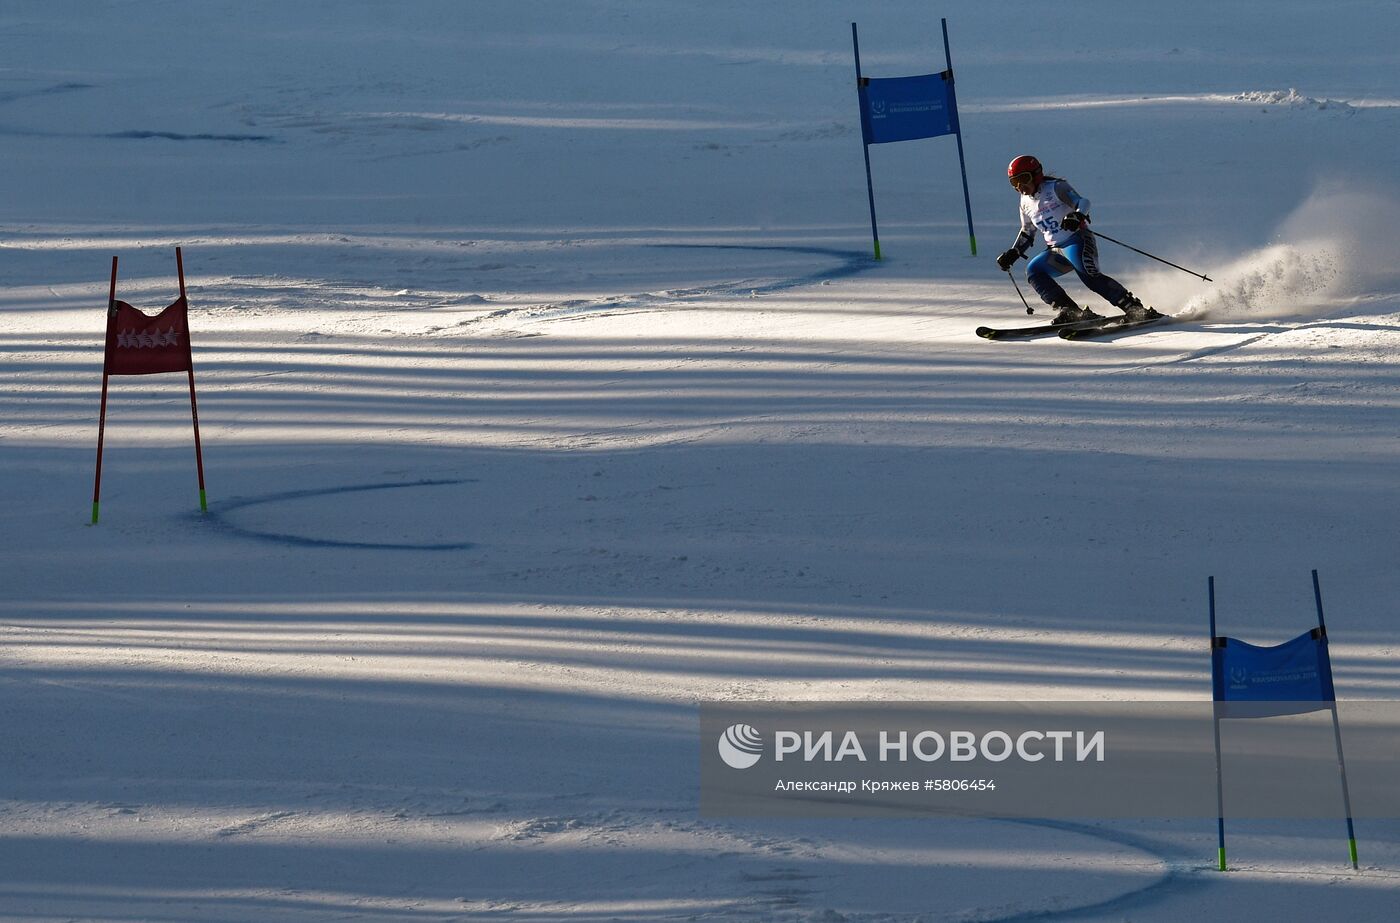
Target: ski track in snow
(1286, 99)
(221, 519)
(850, 264)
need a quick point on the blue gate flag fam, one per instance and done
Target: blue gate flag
(1291, 678)
(906, 108)
(1287, 679)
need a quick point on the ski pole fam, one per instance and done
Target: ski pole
(1150, 256)
(1029, 309)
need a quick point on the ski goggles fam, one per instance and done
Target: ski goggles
(1026, 178)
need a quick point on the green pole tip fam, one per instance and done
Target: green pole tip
(1222, 858)
(1352, 844)
(94, 512)
(203, 502)
(877, 250)
(974, 246)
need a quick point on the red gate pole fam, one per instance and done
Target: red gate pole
(194, 406)
(102, 414)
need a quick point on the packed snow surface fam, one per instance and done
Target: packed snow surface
(548, 388)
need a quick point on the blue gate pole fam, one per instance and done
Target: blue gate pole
(1336, 729)
(869, 183)
(1215, 717)
(962, 164)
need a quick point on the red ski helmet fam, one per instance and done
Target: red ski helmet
(1025, 170)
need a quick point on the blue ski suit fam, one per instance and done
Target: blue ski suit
(1078, 250)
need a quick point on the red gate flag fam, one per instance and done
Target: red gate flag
(138, 344)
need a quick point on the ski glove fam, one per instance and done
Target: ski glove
(1007, 258)
(1073, 220)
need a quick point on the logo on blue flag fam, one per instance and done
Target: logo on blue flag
(1289, 678)
(907, 108)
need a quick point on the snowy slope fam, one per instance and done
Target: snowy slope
(547, 389)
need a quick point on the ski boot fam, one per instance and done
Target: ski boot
(1067, 312)
(1134, 310)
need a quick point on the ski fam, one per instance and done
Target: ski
(1040, 330)
(1115, 325)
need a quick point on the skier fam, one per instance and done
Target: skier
(1051, 204)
